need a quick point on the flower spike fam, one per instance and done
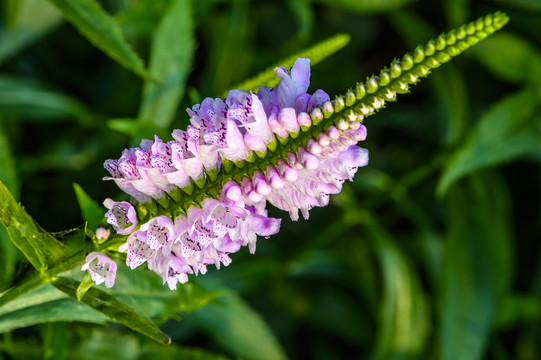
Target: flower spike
(203, 195)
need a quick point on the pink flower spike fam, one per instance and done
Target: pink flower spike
(101, 268)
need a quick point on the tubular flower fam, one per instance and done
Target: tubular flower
(101, 268)
(203, 195)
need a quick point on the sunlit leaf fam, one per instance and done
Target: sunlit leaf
(113, 308)
(476, 264)
(171, 56)
(507, 130)
(39, 247)
(91, 211)
(102, 30)
(316, 54)
(28, 21)
(511, 58)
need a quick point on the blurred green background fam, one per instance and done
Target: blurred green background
(432, 252)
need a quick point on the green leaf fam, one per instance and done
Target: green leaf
(113, 308)
(91, 211)
(55, 339)
(476, 264)
(367, 6)
(102, 343)
(171, 56)
(32, 99)
(102, 30)
(39, 247)
(511, 58)
(8, 252)
(532, 5)
(316, 54)
(145, 292)
(45, 304)
(237, 327)
(507, 130)
(28, 21)
(137, 129)
(518, 309)
(8, 173)
(404, 317)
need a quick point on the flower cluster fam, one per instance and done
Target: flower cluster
(246, 127)
(203, 195)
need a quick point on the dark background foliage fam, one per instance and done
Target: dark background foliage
(432, 252)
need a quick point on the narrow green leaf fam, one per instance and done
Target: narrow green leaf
(146, 293)
(506, 131)
(237, 327)
(39, 247)
(70, 262)
(8, 173)
(91, 211)
(367, 6)
(171, 56)
(404, 321)
(28, 21)
(8, 252)
(45, 304)
(55, 341)
(102, 30)
(316, 54)
(511, 58)
(102, 343)
(113, 308)
(476, 264)
(32, 99)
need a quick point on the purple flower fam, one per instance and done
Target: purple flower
(101, 268)
(243, 128)
(121, 215)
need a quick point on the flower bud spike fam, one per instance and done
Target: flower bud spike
(203, 195)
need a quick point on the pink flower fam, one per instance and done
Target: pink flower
(101, 268)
